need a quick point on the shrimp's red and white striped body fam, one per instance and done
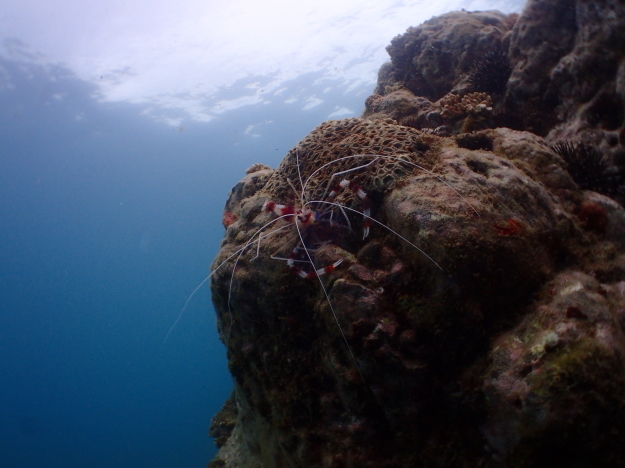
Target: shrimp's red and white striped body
(314, 228)
(306, 218)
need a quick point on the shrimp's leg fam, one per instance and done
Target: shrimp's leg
(293, 261)
(364, 200)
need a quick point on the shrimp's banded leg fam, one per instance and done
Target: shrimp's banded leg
(315, 273)
(310, 274)
(364, 200)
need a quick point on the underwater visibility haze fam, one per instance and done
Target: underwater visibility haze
(112, 190)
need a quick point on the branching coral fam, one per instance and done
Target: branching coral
(455, 107)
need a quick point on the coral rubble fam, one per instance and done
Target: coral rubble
(481, 322)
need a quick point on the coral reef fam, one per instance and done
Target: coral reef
(430, 60)
(557, 70)
(438, 349)
(555, 382)
(481, 323)
(435, 65)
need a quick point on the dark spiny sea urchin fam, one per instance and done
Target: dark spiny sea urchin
(589, 168)
(491, 73)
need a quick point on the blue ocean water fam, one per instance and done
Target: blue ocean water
(108, 221)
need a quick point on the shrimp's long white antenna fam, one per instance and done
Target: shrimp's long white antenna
(239, 252)
(185, 305)
(299, 174)
(234, 267)
(325, 292)
(384, 226)
(343, 172)
(193, 294)
(410, 163)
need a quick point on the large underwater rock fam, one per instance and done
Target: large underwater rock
(557, 70)
(481, 322)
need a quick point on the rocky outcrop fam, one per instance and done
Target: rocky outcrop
(431, 60)
(481, 320)
(447, 74)
(557, 70)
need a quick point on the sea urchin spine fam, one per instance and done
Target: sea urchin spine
(491, 73)
(589, 168)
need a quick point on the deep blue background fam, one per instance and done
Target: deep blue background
(108, 221)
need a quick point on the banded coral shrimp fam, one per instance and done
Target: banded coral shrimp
(316, 218)
(307, 221)
(417, 332)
